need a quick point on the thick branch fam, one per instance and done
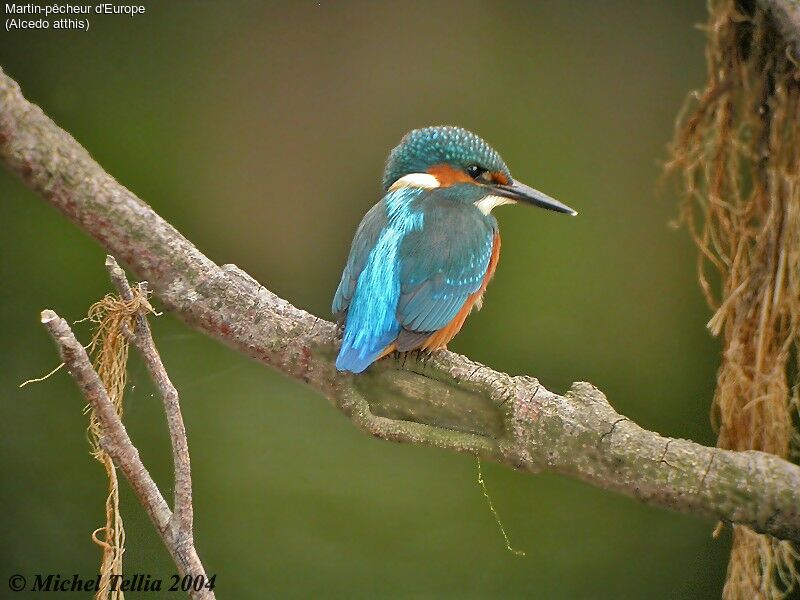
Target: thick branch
(118, 444)
(447, 400)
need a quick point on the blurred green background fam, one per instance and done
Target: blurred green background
(260, 130)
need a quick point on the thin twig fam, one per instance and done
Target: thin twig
(142, 338)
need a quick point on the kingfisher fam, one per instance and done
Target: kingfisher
(423, 255)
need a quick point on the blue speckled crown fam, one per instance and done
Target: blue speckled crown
(423, 148)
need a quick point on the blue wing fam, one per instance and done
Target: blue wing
(370, 284)
(364, 241)
(443, 264)
(416, 258)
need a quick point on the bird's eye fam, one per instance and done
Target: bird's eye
(477, 172)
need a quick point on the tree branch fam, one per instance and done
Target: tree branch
(446, 400)
(118, 444)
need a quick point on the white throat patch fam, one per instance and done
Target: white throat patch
(416, 180)
(485, 205)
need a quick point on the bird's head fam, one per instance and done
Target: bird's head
(440, 157)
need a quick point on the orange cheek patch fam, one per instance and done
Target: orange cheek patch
(500, 177)
(447, 175)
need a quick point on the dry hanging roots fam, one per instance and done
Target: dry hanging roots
(115, 320)
(737, 151)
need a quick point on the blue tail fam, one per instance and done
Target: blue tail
(356, 358)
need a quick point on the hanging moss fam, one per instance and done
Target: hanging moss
(112, 316)
(737, 153)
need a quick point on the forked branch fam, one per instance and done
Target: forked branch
(174, 528)
(141, 337)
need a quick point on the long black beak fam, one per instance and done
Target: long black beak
(523, 193)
